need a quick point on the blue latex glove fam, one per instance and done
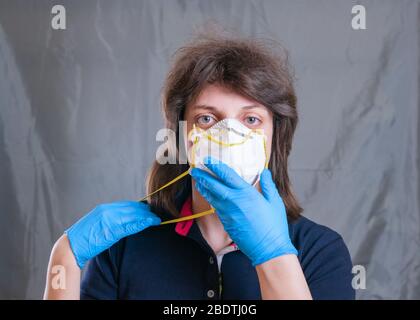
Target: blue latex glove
(256, 222)
(105, 225)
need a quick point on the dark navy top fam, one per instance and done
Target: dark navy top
(175, 262)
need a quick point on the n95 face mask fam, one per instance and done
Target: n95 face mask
(241, 148)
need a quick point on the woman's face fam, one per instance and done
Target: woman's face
(216, 103)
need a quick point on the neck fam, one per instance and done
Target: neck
(210, 225)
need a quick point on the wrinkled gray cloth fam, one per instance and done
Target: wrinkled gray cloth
(79, 111)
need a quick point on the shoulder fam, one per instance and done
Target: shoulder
(311, 238)
(304, 232)
(325, 259)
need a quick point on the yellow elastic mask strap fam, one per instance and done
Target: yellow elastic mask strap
(197, 215)
(266, 154)
(182, 175)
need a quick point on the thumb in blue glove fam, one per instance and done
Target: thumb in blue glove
(256, 222)
(105, 225)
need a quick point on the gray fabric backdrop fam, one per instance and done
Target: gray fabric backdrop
(79, 110)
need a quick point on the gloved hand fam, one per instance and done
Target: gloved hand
(105, 225)
(256, 222)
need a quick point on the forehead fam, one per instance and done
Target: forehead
(221, 97)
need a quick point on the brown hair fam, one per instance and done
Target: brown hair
(250, 67)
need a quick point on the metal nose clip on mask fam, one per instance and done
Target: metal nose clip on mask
(241, 148)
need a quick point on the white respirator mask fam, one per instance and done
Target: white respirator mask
(229, 141)
(241, 148)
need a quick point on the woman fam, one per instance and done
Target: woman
(257, 244)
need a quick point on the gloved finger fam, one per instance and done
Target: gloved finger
(225, 173)
(215, 202)
(268, 188)
(211, 183)
(206, 194)
(212, 198)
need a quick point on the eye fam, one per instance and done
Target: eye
(251, 120)
(205, 120)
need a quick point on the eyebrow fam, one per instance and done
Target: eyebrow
(207, 107)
